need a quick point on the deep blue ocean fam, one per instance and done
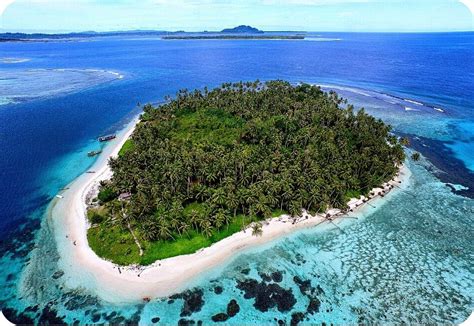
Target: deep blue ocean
(409, 260)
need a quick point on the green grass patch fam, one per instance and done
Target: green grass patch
(113, 243)
(278, 212)
(352, 194)
(188, 244)
(128, 146)
(117, 245)
(97, 215)
(209, 125)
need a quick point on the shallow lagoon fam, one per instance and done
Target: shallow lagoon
(409, 260)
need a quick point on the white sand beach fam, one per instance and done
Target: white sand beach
(84, 269)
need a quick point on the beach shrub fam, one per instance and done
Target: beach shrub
(106, 194)
(94, 216)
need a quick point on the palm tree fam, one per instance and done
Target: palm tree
(184, 228)
(206, 228)
(232, 202)
(257, 229)
(164, 231)
(195, 218)
(219, 218)
(219, 197)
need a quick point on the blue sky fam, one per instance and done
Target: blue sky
(194, 15)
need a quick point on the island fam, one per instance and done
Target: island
(210, 164)
(239, 32)
(234, 37)
(242, 32)
(242, 29)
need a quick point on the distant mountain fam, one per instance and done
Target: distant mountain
(243, 29)
(45, 36)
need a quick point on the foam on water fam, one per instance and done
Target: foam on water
(322, 39)
(5, 100)
(27, 85)
(13, 60)
(413, 102)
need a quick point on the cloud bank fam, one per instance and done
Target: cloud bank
(313, 15)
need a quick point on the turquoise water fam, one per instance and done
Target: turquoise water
(408, 260)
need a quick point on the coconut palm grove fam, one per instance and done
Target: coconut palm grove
(209, 162)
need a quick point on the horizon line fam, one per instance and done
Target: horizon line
(52, 32)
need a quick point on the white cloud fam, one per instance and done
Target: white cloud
(469, 4)
(4, 4)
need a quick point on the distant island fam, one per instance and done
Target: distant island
(211, 163)
(239, 32)
(242, 29)
(234, 37)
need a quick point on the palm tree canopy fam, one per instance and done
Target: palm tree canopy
(248, 148)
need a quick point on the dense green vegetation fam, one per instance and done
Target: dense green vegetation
(114, 242)
(208, 163)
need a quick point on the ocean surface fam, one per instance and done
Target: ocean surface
(408, 260)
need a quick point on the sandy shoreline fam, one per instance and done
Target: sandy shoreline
(84, 269)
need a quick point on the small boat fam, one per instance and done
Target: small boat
(94, 153)
(59, 196)
(90, 172)
(107, 137)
